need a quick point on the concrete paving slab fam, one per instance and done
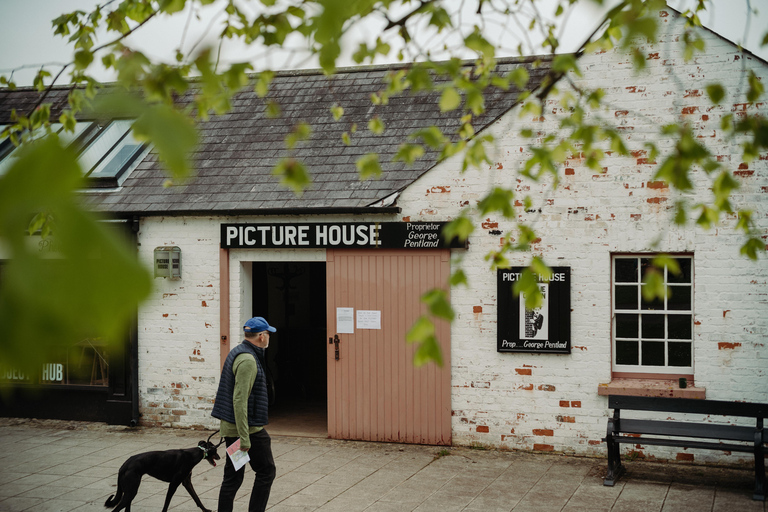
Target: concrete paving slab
(79, 472)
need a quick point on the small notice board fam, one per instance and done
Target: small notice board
(546, 329)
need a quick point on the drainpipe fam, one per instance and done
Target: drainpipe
(134, 341)
(224, 305)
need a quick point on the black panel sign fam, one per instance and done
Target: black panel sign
(546, 329)
(350, 235)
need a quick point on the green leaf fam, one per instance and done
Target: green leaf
(450, 99)
(460, 228)
(300, 132)
(716, 93)
(172, 134)
(368, 166)
(91, 262)
(439, 304)
(423, 333)
(528, 286)
(293, 174)
(337, 111)
(498, 200)
(83, 59)
(458, 277)
(756, 87)
(752, 247)
(408, 153)
(376, 125)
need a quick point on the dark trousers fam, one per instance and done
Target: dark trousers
(262, 463)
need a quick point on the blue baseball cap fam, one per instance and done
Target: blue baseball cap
(258, 324)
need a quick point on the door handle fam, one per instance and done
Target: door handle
(336, 343)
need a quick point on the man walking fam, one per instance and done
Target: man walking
(241, 405)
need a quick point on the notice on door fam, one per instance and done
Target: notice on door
(368, 319)
(345, 320)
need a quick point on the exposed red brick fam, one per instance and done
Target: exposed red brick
(569, 171)
(439, 190)
(705, 117)
(523, 371)
(724, 345)
(543, 447)
(725, 312)
(685, 456)
(657, 184)
(645, 161)
(635, 216)
(543, 432)
(565, 403)
(205, 304)
(656, 200)
(594, 442)
(743, 174)
(653, 56)
(692, 93)
(179, 412)
(165, 315)
(576, 403)
(527, 387)
(546, 387)
(634, 89)
(490, 225)
(477, 309)
(566, 419)
(621, 113)
(743, 165)
(690, 110)
(408, 219)
(499, 166)
(483, 428)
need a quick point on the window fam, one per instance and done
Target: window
(107, 151)
(652, 336)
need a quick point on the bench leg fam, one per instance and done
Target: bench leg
(759, 468)
(615, 468)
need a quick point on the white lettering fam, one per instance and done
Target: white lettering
(334, 235)
(248, 232)
(348, 240)
(263, 230)
(231, 234)
(290, 235)
(303, 233)
(321, 235)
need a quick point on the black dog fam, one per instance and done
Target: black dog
(174, 466)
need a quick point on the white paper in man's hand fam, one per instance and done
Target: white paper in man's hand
(238, 457)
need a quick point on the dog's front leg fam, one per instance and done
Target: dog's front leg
(187, 482)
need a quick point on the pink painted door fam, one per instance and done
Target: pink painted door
(374, 391)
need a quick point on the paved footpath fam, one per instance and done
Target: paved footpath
(57, 466)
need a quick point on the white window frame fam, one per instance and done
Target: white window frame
(666, 312)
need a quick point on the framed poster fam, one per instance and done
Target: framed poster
(546, 329)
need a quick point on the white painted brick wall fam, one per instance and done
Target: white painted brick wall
(519, 401)
(550, 402)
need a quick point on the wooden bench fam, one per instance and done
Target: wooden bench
(735, 438)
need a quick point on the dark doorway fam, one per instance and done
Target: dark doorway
(292, 297)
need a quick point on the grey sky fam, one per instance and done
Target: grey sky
(27, 37)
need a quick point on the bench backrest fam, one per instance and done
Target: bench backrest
(689, 405)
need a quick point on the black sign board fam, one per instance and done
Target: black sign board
(329, 235)
(546, 329)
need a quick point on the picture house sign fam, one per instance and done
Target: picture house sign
(337, 235)
(546, 329)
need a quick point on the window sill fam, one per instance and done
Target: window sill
(646, 387)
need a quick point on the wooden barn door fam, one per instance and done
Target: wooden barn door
(374, 391)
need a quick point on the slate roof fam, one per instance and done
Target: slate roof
(238, 150)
